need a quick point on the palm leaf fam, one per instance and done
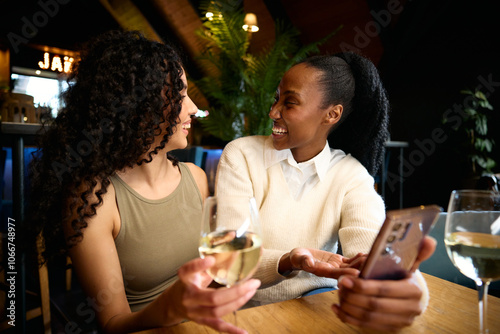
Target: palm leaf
(240, 86)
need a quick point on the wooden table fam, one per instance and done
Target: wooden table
(452, 309)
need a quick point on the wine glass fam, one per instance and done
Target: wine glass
(231, 233)
(472, 238)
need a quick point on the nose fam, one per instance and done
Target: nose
(275, 112)
(193, 109)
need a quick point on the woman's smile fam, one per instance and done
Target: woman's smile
(186, 126)
(279, 131)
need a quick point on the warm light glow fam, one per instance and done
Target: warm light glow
(250, 28)
(68, 62)
(250, 23)
(38, 72)
(56, 64)
(210, 16)
(45, 63)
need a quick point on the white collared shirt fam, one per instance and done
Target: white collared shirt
(302, 177)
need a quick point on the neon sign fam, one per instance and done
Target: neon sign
(56, 64)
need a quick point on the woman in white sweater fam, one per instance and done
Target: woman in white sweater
(311, 196)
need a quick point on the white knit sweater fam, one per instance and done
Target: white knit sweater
(344, 205)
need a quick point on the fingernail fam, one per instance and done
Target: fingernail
(335, 308)
(433, 240)
(345, 282)
(255, 283)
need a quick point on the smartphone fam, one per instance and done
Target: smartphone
(396, 247)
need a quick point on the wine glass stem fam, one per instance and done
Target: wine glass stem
(482, 288)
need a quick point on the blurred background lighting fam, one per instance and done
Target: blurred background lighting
(250, 23)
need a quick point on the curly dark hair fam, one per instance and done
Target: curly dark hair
(353, 81)
(120, 93)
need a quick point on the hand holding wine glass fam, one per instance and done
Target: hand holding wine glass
(472, 238)
(231, 233)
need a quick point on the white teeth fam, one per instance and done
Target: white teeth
(279, 131)
(186, 126)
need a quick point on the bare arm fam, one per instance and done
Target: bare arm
(97, 264)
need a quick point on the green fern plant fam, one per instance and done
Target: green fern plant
(240, 86)
(476, 126)
(477, 143)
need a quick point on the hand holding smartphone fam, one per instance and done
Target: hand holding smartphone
(396, 247)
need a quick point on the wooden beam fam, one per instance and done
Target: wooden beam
(183, 19)
(129, 17)
(179, 14)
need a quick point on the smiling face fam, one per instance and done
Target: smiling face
(300, 121)
(179, 138)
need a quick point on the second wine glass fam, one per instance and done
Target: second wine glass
(472, 239)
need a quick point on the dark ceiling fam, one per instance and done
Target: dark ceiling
(71, 22)
(402, 25)
(67, 25)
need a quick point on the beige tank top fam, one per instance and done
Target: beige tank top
(156, 237)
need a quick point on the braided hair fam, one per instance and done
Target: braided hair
(123, 93)
(353, 81)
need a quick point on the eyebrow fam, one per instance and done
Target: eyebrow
(291, 92)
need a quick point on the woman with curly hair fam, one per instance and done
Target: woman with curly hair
(320, 196)
(127, 213)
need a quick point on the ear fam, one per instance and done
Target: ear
(333, 114)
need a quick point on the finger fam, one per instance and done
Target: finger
(194, 272)
(307, 262)
(220, 325)
(372, 320)
(354, 258)
(187, 273)
(404, 288)
(226, 296)
(427, 248)
(357, 262)
(323, 269)
(402, 306)
(214, 308)
(301, 259)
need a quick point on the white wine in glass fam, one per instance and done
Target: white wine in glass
(231, 233)
(472, 238)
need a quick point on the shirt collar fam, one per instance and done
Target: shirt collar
(320, 161)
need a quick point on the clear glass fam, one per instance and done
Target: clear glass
(472, 238)
(231, 233)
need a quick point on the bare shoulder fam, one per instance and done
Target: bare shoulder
(200, 178)
(109, 209)
(106, 218)
(96, 260)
